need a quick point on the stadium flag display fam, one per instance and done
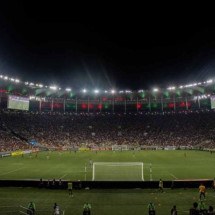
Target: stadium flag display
(212, 102)
(18, 103)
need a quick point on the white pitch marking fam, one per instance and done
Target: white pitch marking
(12, 171)
(63, 176)
(173, 176)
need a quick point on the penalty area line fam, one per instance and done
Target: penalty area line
(12, 171)
(63, 176)
(173, 176)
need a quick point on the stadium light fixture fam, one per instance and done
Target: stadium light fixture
(121, 91)
(40, 85)
(112, 91)
(32, 97)
(5, 78)
(68, 90)
(53, 87)
(96, 91)
(171, 88)
(17, 80)
(1, 76)
(209, 81)
(84, 91)
(106, 91)
(155, 90)
(140, 91)
(128, 91)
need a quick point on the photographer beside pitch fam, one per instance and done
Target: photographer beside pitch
(87, 209)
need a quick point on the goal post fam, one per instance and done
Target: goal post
(118, 171)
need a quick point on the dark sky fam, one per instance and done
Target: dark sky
(106, 46)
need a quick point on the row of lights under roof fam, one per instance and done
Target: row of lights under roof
(9, 79)
(96, 91)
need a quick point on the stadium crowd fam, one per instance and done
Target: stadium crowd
(191, 129)
(9, 142)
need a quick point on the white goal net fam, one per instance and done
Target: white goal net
(118, 171)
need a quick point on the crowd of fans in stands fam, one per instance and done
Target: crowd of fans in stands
(91, 130)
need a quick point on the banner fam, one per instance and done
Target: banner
(84, 149)
(17, 153)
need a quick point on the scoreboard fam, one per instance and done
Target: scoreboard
(18, 103)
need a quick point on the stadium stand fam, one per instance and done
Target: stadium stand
(53, 129)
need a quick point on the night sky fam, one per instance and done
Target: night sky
(106, 46)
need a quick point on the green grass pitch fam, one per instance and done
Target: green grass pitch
(104, 202)
(167, 165)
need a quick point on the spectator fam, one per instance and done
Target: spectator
(31, 208)
(202, 207)
(194, 210)
(87, 209)
(56, 209)
(60, 184)
(151, 208)
(41, 183)
(210, 211)
(160, 186)
(69, 185)
(70, 131)
(174, 211)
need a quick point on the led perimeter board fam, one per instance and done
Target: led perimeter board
(18, 103)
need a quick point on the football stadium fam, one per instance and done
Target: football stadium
(112, 146)
(107, 109)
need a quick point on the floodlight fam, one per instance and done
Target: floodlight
(32, 97)
(121, 91)
(181, 87)
(140, 91)
(171, 88)
(155, 90)
(5, 78)
(40, 85)
(31, 84)
(68, 89)
(84, 90)
(112, 91)
(12, 79)
(128, 91)
(106, 91)
(53, 87)
(96, 91)
(17, 80)
(209, 81)
(1, 76)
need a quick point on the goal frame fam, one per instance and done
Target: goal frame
(118, 164)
